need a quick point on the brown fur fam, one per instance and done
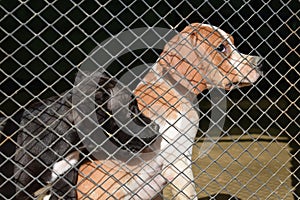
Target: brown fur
(193, 62)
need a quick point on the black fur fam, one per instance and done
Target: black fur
(48, 136)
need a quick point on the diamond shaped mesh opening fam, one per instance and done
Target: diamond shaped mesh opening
(44, 44)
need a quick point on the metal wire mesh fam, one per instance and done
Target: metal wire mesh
(44, 44)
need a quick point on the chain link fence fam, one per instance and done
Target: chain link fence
(44, 45)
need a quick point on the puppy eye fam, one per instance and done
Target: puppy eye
(221, 48)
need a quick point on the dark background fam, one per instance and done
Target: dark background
(43, 43)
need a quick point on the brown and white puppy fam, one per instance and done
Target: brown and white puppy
(200, 57)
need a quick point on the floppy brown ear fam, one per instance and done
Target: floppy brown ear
(182, 39)
(187, 31)
(190, 29)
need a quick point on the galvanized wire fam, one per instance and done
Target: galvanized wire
(43, 44)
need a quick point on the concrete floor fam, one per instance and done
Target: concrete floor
(245, 169)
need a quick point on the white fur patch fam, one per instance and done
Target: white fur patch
(64, 165)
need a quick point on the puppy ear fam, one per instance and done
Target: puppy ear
(106, 83)
(118, 97)
(104, 91)
(187, 37)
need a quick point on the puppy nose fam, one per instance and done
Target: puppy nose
(258, 62)
(263, 67)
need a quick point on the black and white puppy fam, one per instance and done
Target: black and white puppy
(48, 144)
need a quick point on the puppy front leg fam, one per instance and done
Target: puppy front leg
(147, 183)
(181, 178)
(177, 158)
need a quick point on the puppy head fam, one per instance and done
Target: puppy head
(205, 56)
(121, 119)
